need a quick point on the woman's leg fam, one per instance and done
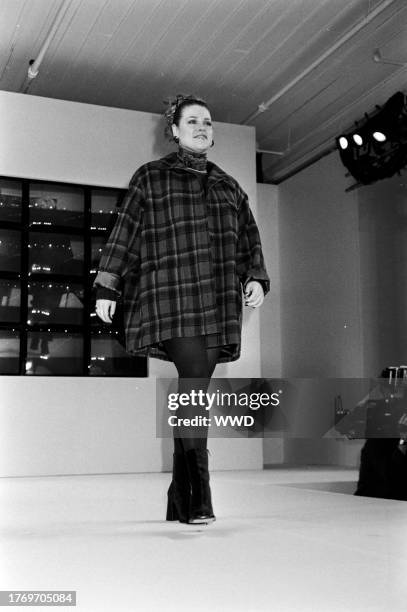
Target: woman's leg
(195, 364)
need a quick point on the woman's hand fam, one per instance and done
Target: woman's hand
(105, 310)
(254, 294)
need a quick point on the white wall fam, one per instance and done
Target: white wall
(320, 292)
(383, 251)
(270, 312)
(341, 276)
(312, 251)
(320, 273)
(343, 259)
(74, 426)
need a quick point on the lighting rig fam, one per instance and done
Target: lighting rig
(377, 147)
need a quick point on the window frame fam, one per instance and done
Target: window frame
(87, 328)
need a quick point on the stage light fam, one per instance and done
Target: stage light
(377, 147)
(379, 136)
(343, 142)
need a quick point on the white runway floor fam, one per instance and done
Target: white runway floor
(284, 540)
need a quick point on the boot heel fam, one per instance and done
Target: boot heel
(172, 514)
(179, 491)
(201, 510)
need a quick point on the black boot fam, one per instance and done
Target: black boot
(200, 510)
(179, 491)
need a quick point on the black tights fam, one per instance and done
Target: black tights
(195, 364)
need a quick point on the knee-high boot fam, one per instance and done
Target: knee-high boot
(179, 491)
(200, 510)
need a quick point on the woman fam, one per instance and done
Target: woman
(183, 246)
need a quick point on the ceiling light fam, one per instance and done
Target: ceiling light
(343, 142)
(383, 135)
(379, 136)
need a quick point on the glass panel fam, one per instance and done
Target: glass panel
(97, 245)
(10, 296)
(55, 254)
(54, 353)
(50, 205)
(9, 352)
(104, 202)
(10, 200)
(10, 250)
(109, 358)
(55, 303)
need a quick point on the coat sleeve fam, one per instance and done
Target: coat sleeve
(250, 260)
(121, 252)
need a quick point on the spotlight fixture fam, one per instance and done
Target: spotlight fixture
(377, 147)
(379, 136)
(343, 142)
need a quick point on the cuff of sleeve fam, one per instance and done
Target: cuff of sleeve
(108, 281)
(265, 283)
(103, 293)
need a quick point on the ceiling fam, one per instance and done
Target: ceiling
(308, 64)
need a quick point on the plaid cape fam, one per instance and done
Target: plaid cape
(179, 257)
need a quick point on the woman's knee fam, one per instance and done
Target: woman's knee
(189, 356)
(195, 369)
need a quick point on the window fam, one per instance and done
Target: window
(51, 237)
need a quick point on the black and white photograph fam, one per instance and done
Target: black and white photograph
(203, 305)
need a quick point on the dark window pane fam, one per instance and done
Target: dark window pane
(56, 246)
(104, 202)
(55, 254)
(54, 353)
(97, 245)
(10, 200)
(50, 205)
(10, 248)
(9, 352)
(109, 358)
(10, 296)
(51, 302)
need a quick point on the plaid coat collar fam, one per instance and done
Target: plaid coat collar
(215, 174)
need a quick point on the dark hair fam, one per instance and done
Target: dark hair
(175, 106)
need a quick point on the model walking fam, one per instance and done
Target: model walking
(183, 247)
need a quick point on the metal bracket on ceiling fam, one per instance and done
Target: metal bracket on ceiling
(377, 57)
(279, 153)
(265, 106)
(34, 64)
(271, 152)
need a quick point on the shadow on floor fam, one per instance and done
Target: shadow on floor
(346, 487)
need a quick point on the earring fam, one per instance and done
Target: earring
(212, 143)
(176, 139)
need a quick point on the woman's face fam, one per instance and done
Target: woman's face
(194, 131)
